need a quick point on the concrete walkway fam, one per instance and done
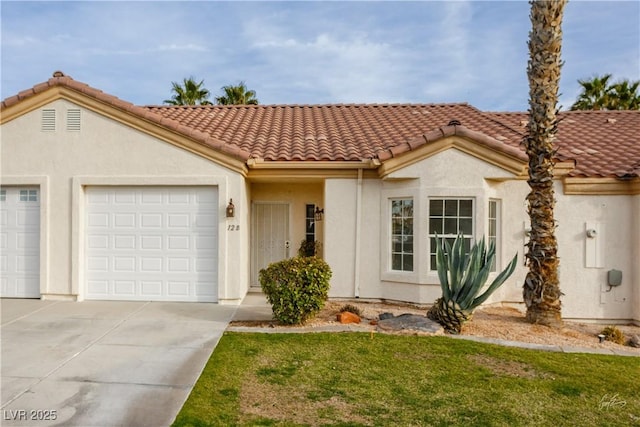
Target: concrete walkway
(255, 307)
(103, 363)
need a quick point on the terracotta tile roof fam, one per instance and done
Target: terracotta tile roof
(331, 132)
(60, 79)
(602, 143)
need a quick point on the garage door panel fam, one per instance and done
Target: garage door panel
(126, 241)
(151, 242)
(124, 287)
(151, 249)
(20, 242)
(179, 242)
(180, 221)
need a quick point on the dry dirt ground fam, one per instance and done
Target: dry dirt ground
(505, 323)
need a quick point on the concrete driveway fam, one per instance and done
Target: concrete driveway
(103, 363)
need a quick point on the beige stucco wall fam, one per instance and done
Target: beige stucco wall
(340, 235)
(455, 174)
(106, 152)
(584, 261)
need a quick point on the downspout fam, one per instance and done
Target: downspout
(356, 274)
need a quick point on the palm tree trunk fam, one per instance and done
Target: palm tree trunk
(541, 290)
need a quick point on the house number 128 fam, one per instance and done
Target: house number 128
(232, 227)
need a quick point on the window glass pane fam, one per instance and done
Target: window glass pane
(396, 208)
(435, 225)
(492, 228)
(450, 207)
(407, 228)
(407, 209)
(466, 226)
(466, 208)
(24, 195)
(435, 207)
(397, 244)
(396, 262)
(450, 226)
(3, 195)
(493, 209)
(433, 265)
(396, 226)
(310, 211)
(407, 263)
(407, 245)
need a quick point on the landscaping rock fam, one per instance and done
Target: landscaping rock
(384, 316)
(348, 317)
(409, 322)
(634, 341)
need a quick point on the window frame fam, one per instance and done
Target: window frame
(28, 196)
(402, 236)
(496, 235)
(431, 234)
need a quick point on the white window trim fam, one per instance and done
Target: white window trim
(386, 273)
(498, 266)
(413, 234)
(474, 221)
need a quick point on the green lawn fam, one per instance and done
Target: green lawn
(352, 379)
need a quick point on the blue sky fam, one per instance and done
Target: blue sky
(312, 52)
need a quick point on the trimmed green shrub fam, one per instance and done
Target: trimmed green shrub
(296, 288)
(309, 248)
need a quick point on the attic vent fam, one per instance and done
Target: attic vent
(454, 122)
(48, 120)
(73, 120)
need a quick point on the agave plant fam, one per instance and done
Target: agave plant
(462, 277)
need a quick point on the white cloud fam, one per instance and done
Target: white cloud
(311, 52)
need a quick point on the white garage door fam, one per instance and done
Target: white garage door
(20, 242)
(152, 243)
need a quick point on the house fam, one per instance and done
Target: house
(102, 199)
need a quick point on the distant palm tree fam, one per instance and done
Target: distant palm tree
(599, 94)
(624, 96)
(595, 94)
(541, 289)
(237, 95)
(189, 93)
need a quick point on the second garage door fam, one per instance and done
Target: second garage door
(152, 243)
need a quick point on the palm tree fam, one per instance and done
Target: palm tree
(624, 96)
(541, 290)
(599, 94)
(189, 93)
(237, 95)
(595, 94)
